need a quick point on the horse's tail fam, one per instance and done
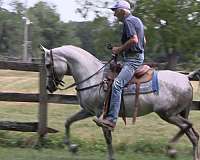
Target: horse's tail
(194, 76)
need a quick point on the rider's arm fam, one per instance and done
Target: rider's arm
(132, 40)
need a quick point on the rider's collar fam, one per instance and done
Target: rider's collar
(126, 16)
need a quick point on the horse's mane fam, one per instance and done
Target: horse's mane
(81, 52)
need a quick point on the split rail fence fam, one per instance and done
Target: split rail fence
(42, 97)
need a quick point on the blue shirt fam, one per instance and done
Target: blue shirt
(133, 26)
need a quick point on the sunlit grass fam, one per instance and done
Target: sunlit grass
(196, 90)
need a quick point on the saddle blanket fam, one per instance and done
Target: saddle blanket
(147, 87)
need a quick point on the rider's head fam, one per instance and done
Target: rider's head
(121, 8)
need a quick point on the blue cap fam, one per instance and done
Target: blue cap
(121, 4)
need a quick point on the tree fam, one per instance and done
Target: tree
(103, 34)
(98, 8)
(166, 24)
(45, 28)
(95, 35)
(11, 33)
(18, 7)
(48, 29)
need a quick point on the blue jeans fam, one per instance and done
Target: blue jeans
(120, 81)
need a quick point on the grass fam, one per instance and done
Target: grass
(146, 139)
(61, 154)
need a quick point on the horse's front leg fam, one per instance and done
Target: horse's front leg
(108, 138)
(82, 114)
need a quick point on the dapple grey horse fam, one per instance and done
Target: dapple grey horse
(172, 104)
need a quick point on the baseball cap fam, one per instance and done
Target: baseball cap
(121, 4)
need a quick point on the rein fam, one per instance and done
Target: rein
(60, 82)
(56, 81)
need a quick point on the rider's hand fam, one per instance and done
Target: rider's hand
(116, 50)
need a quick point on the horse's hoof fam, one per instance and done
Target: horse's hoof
(172, 153)
(66, 142)
(73, 148)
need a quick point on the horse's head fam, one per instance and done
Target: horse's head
(56, 68)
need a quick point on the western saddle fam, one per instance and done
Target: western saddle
(143, 74)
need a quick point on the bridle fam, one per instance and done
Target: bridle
(58, 82)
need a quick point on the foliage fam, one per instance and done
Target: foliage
(11, 32)
(48, 29)
(45, 28)
(172, 29)
(97, 35)
(171, 26)
(87, 7)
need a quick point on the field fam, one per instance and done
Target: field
(146, 140)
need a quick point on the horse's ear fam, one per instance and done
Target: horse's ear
(46, 54)
(44, 49)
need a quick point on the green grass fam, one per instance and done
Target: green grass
(61, 154)
(146, 140)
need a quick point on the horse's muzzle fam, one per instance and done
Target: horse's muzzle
(51, 90)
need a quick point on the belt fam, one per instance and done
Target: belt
(131, 55)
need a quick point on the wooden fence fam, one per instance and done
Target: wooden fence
(42, 97)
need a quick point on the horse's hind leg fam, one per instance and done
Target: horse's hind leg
(194, 137)
(108, 138)
(171, 151)
(82, 114)
(186, 127)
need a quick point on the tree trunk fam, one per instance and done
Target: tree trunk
(172, 58)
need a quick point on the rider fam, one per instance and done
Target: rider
(132, 51)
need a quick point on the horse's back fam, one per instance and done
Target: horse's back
(175, 93)
(172, 78)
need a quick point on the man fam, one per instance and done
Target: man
(132, 50)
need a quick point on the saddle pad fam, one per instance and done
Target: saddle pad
(147, 87)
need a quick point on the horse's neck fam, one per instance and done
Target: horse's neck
(82, 64)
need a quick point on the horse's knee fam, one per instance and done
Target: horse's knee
(67, 123)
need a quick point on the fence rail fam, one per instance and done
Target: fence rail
(21, 66)
(31, 97)
(42, 97)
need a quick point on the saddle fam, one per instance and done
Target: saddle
(143, 74)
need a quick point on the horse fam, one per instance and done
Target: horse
(172, 104)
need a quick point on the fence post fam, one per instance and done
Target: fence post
(43, 99)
